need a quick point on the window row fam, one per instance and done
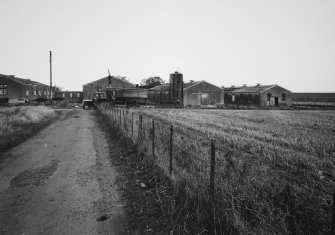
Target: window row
(78, 95)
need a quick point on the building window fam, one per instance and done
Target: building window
(71, 95)
(39, 92)
(27, 92)
(45, 93)
(35, 92)
(283, 96)
(78, 94)
(63, 95)
(233, 98)
(3, 89)
(268, 95)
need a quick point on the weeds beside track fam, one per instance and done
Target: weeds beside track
(18, 123)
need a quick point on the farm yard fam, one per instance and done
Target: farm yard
(274, 170)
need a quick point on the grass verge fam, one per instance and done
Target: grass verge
(152, 206)
(19, 123)
(274, 169)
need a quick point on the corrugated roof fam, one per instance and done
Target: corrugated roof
(188, 84)
(22, 80)
(313, 95)
(253, 89)
(164, 87)
(108, 77)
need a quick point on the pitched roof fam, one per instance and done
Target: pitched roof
(232, 88)
(194, 83)
(253, 89)
(22, 80)
(113, 77)
(164, 87)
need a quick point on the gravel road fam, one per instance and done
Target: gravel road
(61, 181)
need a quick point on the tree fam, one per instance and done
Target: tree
(152, 82)
(123, 78)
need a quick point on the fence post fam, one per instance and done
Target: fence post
(212, 184)
(170, 153)
(132, 124)
(139, 128)
(120, 119)
(153, 139)
(212, 172)
(333, 214)
(124, 121)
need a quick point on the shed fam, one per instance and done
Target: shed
(101, 84)
(13, 88)
(258, 96)
(71, 96)
(202, 93)
(195, 93)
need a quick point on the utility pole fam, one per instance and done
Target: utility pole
(50, 76)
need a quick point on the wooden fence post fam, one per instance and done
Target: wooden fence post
(333, 214)
(170, 153)
(153, 139)
(212, 184)
(124, 120)
(132, 124)
(139, 128)
(120, 119)
(212, 172)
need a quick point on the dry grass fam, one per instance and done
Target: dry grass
(275, 169)
(17, 123)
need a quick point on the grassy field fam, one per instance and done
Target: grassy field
(18, 123)
(275, 169)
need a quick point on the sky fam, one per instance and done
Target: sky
(225, 42)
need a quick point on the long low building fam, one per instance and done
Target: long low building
(313, 98)
(13, 88)
(71, 96)
(258, 96)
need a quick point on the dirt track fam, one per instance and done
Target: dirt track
(61, 181)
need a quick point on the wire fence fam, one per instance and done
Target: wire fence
(234, 189)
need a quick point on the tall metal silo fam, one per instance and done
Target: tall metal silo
(176, 88)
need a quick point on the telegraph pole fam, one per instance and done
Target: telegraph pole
(51, 76)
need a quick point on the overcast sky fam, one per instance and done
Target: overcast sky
(286, 42)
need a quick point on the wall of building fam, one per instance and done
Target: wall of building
(14, 90)
(259, 99)
(71, 96)
(35, 92)
(276, 94)
(90, 89)
(203, 94)
(244, 99)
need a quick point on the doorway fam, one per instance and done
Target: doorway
(276, 101)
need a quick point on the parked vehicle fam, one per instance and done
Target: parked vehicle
(87, 104)
(18, 101)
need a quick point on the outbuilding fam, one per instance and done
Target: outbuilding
(202, 93)
(100, 85)
(194, 93)
(13, 88)
(71, 96)
(258, 96)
